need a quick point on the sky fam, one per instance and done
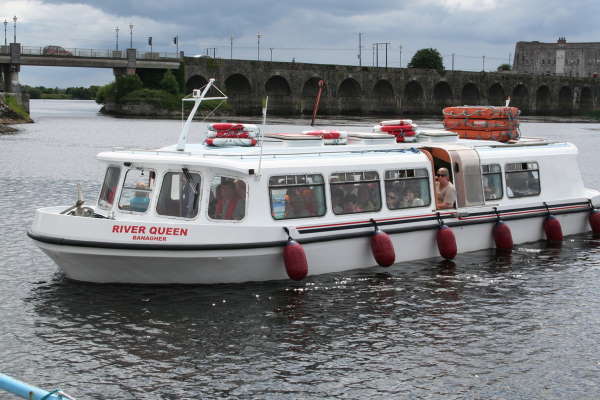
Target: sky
(319, 31)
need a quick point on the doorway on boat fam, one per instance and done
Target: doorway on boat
(464, 176)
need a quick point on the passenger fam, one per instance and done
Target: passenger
(491, 190)
(141, 200)
(445, 193)
(364, 199)
(392, 197)
(310, 204)
(240, 191)
(295, 204)
(337, 200)
(227, 204)
(410, 199)
(351, 204)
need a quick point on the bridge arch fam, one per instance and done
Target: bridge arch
(586, 100)
(349, 96)
(543, 100)
(496, 95)
(384, 97)
(195, 82)
(413, 97)
(520, 98)
(277, 86)
(442, 94)
(470, 94)
(279, 92)
(565, 100)
(239, 91)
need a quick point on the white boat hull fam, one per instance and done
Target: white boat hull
(139, 266)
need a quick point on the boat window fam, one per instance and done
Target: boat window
(109, 187)
(179, 195)
(355, 192)
(522, 179)
(227, 199)
(407, 188)
(297, 196)
(492, 181)
(137, 190)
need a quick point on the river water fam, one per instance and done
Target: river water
(484, 327)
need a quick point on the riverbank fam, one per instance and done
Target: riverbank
(12, 113)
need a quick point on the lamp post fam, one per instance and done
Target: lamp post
(5, 23)
(131, 36)
(15, 29)
(258, 36)
(117, 40)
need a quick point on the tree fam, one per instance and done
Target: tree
(169, 83)
(126, 84)
(504, 67)
(428, 59)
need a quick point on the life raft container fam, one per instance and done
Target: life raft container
(229, 126)
(227, 142)
(231, 134)
(500, 136)
(329, 137)
(481, 112)
(481, 124)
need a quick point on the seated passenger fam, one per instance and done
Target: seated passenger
(228, 205)
(337, 200)
(140, 201)
(445, 191)
(393, 200)
(364, 200)
(351, 204)
(410, 199)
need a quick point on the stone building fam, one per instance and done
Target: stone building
(560, 58)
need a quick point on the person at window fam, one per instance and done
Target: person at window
(140, 201)
(410, 198)
(351, 204)
(393, 199)
(337, 200)
(228, 205)
(445, 193)
(364, 199)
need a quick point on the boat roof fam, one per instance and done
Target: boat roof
(313, 153)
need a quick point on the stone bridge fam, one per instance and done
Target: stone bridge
(353, 90)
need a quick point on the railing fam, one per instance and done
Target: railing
(57, 51)
(4, 50)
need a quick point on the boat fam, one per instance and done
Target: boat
(264, 206)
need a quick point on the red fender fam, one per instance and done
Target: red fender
(382, 248)
(446, 242)
(502, 236)
(553, 229)
(594, 219)
(294, 258)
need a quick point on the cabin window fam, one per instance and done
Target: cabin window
(407, 188)
(522, 179)
(355, 192)
(109, 187)
(137, 190)
(297, 196)
(492, 181)
(179, 194)
(227, 199)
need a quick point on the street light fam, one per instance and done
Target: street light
(258, 36)
(131, 36)
(117, 43)
(15, 29)
(5, 23)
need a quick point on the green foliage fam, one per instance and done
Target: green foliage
(169, 83)
(151, 77)
(595, 114)
(126, 84)
(504, 67)
(106, 93)
(159, 98)
(15, 107)
(41, 92)
(428, 59)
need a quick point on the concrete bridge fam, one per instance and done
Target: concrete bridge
(14, 56)
(353, 90)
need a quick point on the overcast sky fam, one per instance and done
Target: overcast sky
(322, 31)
